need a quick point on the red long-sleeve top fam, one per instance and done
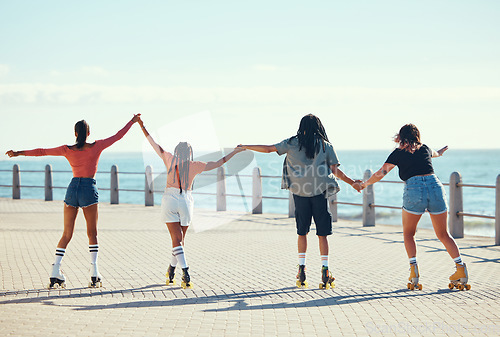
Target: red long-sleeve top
(83, 161)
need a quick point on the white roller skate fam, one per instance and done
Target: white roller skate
(57, 278)
(95, 277)
(460, 278)
(414, 276)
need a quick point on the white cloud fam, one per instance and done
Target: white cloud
(90, 93)
(4, 69)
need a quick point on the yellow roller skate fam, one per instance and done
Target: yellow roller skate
(186, 279)
(414, 275)
(170, 276)
(301, 277)
(460, 278)
(327, 279)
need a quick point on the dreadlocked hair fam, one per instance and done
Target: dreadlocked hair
(310, 134)
(408, 138)
(183, 155)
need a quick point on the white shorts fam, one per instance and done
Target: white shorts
(177, 207)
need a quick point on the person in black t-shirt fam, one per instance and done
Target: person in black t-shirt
(423, 191)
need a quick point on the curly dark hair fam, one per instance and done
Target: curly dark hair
(310, 134)
(408, 138)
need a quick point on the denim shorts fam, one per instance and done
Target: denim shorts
(81, 192)
(315, 207)
(423, 193)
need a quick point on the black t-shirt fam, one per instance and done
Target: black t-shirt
(412, 164)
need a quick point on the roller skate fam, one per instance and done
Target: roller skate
(186, 279)
(327, 279)
(57, 278)
(170, 276)
(414, 275)
(301, 277)
(460, 278)
(95, 278)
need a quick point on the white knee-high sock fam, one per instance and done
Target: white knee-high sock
(94, 250)
(59, 255)
(178, 252)
(173, 261)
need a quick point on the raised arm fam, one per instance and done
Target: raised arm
(158, 149)
(107, 142)
(439, 152)
(377, 176)
(55, 151)
(259, 148)
(215, 164)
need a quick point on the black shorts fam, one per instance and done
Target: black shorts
(315, 207)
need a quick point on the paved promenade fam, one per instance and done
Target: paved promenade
(243, 269)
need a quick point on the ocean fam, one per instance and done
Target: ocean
(476, 167)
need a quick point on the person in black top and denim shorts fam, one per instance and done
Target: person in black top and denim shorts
(423, 191)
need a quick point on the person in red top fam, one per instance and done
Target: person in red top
(177, 204)
(82, 192)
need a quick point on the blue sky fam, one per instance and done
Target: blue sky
(364, 67)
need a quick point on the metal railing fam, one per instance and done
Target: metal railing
(456, 211)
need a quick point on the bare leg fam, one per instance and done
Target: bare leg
(70, 214)
(91, 215)
(439, 224)
(410, 222)
(177, 233)
(302, 243)
(323, 245)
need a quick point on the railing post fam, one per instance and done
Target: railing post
(368, 201)
(497, 212)
(456, 221)
(113, 189)
(291, 206)
(48, 183)
(16, 182)
(332, 202)
(256, 191)
(149, 196)
(221, 189)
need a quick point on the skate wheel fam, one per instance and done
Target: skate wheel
(460, 286)
(321, 286)
(171, 282)
(299, 284)
(332, 285)
(408, 285)
(467, 287)
(451, 286)
(412, 286)
(419, 286)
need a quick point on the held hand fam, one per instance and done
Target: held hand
(241, 147)
(136, 118)
(441, 151)
(357, 185)
(11, 153)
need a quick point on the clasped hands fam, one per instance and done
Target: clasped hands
(358, 185)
